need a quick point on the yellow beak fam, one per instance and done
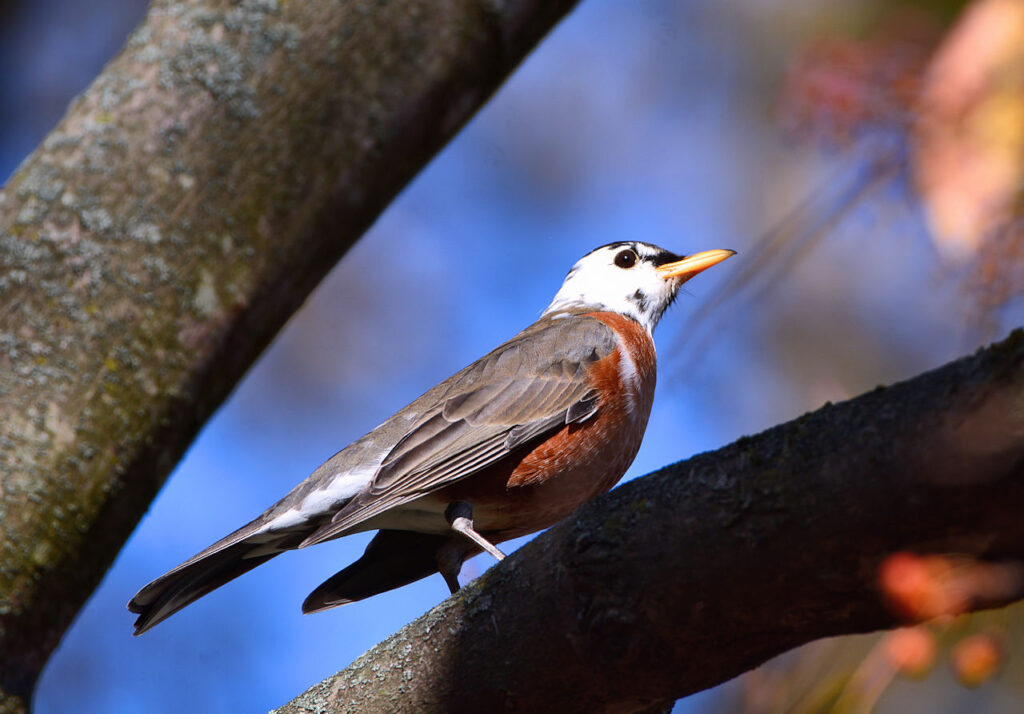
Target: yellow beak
(693, 264)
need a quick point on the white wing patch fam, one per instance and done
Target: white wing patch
(327, 499)
(337, 491)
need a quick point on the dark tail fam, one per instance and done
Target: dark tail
(190, 581)
(392, 559)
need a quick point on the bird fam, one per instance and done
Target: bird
(507, 446)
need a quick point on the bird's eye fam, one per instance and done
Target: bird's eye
(625, 259)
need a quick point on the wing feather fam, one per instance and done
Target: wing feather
(532, 385)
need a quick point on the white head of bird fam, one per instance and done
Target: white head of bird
(635, 279)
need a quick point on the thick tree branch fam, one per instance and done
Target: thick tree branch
(164, 231)
(685, 578)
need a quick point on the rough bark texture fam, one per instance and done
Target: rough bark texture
(164, 231)
(685, 578)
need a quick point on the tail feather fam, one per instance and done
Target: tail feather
(391, 560)
(190, 581)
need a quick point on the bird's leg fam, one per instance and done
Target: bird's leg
(459, 515)
(449, 562)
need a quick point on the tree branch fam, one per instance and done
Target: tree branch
(680, 580)
(166, 229)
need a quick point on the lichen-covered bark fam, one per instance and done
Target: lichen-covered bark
(163, 232)
(683, 579)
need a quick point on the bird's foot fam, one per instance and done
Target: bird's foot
(459, 515)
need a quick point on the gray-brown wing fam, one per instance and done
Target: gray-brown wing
(530, 386)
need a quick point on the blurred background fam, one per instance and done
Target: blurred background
(864, 157)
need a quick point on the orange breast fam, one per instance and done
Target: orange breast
(548, 481)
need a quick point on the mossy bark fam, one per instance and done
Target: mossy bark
(683, 579)
(165, 230)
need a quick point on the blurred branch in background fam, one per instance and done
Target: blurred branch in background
(6, 9)
(781, 249)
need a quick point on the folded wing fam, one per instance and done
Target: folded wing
(531, 386)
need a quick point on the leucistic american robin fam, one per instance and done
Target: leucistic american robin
(508, 446)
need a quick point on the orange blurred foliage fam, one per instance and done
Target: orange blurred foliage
(838, 88)
(930, 586)
(977, 658)
(911, 651)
